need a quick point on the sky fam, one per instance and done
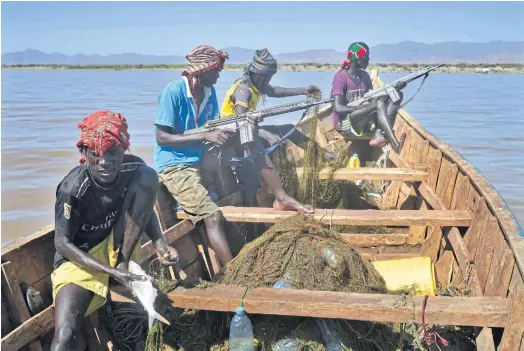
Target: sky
(174, 28)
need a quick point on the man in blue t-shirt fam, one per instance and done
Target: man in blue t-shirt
(186, 104)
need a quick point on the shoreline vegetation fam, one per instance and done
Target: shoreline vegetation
(298, 67)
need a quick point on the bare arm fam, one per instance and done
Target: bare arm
(67, 249)
(167, 254)
(165, 137)
(342, 109)
(279, 92)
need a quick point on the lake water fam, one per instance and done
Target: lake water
(481, 116)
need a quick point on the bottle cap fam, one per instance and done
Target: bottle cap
(240, 311)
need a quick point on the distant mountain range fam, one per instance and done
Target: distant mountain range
(403, 52)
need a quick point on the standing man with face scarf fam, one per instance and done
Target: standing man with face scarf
(102, 208)
(185, 104)
(244, 96)
(350, 83)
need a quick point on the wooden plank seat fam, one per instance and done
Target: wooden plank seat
(364, 173)
(468, 311)
(351, 217)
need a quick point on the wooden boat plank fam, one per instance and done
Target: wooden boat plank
(485, 341)
(34, 260)
(18, 244)
(463, 260)
(15, 301)
(350, 217)
(431, 245)
(364, 173)
(170, 236)
(429, 195)
(501, 269)
(367, 240)
(472, 236)
(469, 311)
(446, 179)
(515, 283)
(444, 268)
(434, 160)
(376, 256)
(221, 297)
(447, 195)
(7, 326)
(37, 325)
(485, 249)
(514, 329)
(460, 194)
(504, 216)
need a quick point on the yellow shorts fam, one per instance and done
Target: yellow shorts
(98, 283)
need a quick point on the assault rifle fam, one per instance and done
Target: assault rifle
(390, 88)
(240, 122)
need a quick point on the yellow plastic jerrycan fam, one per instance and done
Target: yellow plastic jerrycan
(414, 274)
(354, 161)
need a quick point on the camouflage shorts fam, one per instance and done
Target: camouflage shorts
(185, 184)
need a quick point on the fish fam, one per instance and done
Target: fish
(146, 294)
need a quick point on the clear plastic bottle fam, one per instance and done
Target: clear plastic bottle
(285, 344)
(331, 258)
(241, 332)
(283, 285)
(331, 336)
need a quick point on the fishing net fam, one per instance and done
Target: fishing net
(326, 193)
(292, 251)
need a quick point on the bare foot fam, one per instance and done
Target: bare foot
(287, 203)
(378, 142)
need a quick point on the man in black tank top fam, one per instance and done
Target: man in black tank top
(102, 207)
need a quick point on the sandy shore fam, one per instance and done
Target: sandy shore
(459, 68)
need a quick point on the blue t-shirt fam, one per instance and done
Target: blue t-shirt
(176, 109)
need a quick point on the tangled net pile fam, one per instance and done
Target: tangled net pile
(291, 251)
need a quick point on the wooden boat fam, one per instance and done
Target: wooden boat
(451, 212)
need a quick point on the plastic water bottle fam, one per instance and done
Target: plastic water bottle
(283, 285)
(331, 337)
(331, 258)
(241, 332)
(286, 344)
(354, 162)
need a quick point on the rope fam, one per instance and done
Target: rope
(431, 337)
(420, 87)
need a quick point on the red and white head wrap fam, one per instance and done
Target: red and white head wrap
(101, 130)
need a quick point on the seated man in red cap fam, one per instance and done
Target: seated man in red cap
(102, 207)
